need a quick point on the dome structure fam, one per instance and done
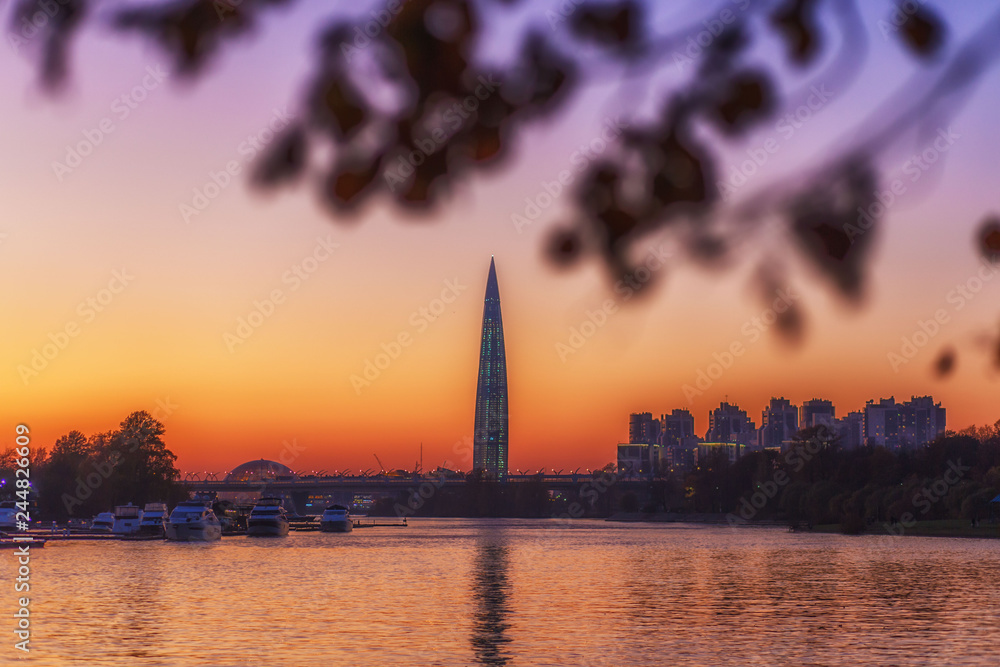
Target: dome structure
(260, 470)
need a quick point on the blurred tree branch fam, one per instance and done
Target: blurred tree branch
(410, 112)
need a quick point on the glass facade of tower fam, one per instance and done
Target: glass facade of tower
(490, 440)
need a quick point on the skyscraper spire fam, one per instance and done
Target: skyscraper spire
(490, 435)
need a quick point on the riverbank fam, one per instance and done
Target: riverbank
(677, 517)
(935, 528)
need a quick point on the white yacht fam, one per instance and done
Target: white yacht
(268, 518)
(103, 522)
(336, 519)
(154, 519)
(193, 521)
(8, 515)
(127, 519)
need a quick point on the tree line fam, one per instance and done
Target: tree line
(817, 481)
(84, 475)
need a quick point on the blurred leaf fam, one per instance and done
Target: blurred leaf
(945, 363)
(773, 288)
(922, 31)
(989, 239)
(191, 30)
(746, 98)
(795, 22)
(284, 160)
(616, 25)
(831, 232)
(563, 246)
(339, 105)
(348, 183)
(684, 172)
(58, 23)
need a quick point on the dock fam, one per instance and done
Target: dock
(375, 524)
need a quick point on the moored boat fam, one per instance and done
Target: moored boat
(193, 521)
(127, 520)
(154, 520)
(103, 523)
(267, 519)
(8, 515)
(336, 519)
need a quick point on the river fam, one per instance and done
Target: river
(515, 592)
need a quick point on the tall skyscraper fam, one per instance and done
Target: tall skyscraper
(489, 449)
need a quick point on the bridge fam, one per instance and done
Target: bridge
(379, 485)
(343, 489)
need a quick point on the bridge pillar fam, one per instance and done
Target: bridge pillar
(299, 500)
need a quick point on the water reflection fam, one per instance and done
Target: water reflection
(454, 592)
(491, 592)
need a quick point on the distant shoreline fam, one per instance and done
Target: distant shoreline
(933, 528)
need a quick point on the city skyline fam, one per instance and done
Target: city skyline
(729, 422)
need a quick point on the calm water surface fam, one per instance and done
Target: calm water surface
(510, 592)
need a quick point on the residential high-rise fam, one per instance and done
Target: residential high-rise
(779, 422)
(920, 421)
(851, 430)
(489, 449)
(882, 423)
(815, 412)
(643, 429)
(727, 423)
(676, 428)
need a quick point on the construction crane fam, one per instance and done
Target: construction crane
(382, 467)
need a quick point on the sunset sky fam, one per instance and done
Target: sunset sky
(111, 230)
